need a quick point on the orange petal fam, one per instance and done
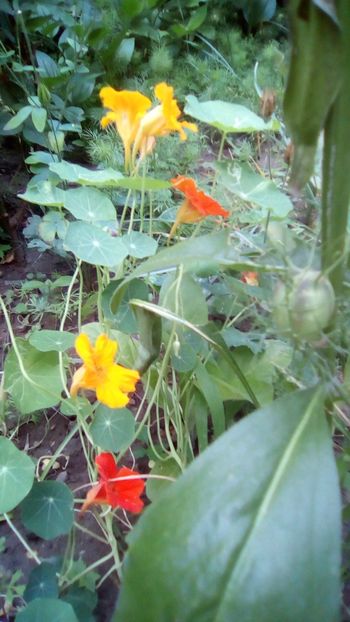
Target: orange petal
(105, 351)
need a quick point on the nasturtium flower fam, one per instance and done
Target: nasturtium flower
(100, 373)
(196, 206)
(251, 278)
(164, 118)
(126, 109)
(109, 491)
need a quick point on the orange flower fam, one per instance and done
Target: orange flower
(99, 373)
(124, 494)
(196, 206)
(161, 120)
(126, 109)
(251, 278)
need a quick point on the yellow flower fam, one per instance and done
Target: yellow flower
(99, 373)
(126, 109)
(161, 120)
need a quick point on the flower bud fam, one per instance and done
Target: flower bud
(305, 308)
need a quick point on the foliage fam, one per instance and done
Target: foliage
(210, 360)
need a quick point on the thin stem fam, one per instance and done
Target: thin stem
(21, 539)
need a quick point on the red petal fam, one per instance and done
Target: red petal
(106, 466)
(184, 184)
(97, 494)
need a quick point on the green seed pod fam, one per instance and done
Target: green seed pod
(305, 308)
(44, 94)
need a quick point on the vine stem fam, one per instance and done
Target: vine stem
(21, 539)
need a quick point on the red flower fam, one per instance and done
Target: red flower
(124, 494)
(196, 206)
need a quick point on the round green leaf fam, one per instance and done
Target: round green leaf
(89, 204)
(51, 609)
(51, 340)
(140, 245)
(44, 387)
(255, 189)
(16, 475)
(42, 583)
(112, 429)
(48, 510)
(93, 245)
(227, 117)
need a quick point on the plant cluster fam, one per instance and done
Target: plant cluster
(206, 375)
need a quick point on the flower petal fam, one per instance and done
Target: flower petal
(106, 465)
(84, 349)
(97, 494)
(105, 351)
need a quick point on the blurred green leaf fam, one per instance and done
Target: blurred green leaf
(16, 475)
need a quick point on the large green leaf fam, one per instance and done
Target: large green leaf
(48, 509)
(85, 176)
(51, 340)
(93, 245)
(255, 189)
(51, 609)
(227, 117)
(250, 532)
(89, 204)
(42, 387)
(16, 475)
(44, 193)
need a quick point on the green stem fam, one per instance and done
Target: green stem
(21, 539)
(336, 166)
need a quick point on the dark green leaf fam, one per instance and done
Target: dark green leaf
(48, 509)
(48, 609)
(42, 583)
(250, 532)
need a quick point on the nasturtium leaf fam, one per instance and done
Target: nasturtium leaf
(78, 174)
(41, 157)
(51, 609)
(89, 204)
(250, 531)
(16, 475)
(42, 583)
(48, 509)
(44, 386)
(156, 487)
(44, 193)
(228, 117)
(83, 602)
(255, 189)
(143, 183)
(52, 224)
(140, 245)
(93, 245)
(52, 340)
(112, 429)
